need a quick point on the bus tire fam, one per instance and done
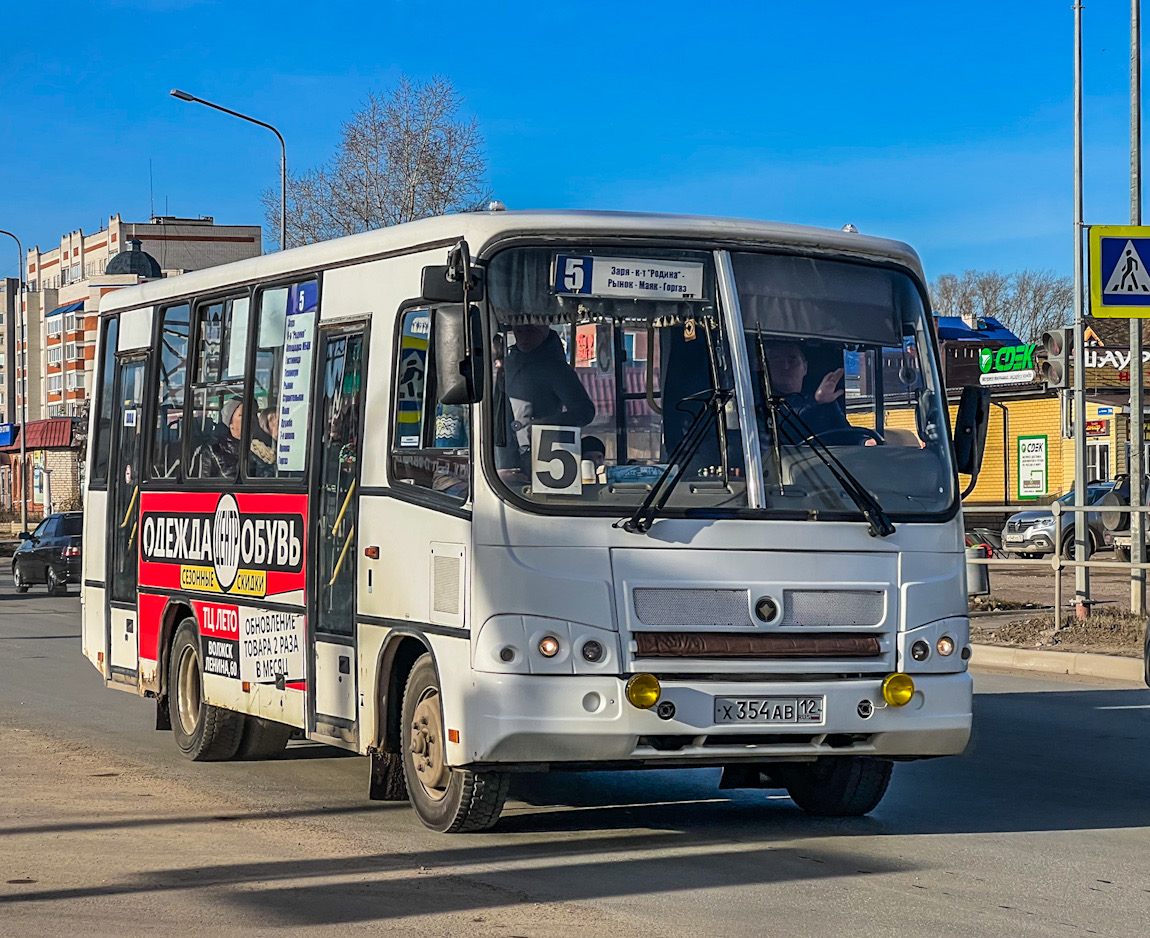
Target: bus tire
(446, 800)
(836, 786)
(204, 733)
(262, 739)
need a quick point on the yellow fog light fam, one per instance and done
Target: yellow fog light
(897, 689)
(643, 691)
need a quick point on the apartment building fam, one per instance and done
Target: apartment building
(65, 285)
(9, 326)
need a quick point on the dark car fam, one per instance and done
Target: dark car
(50, 554)
(1031, 533)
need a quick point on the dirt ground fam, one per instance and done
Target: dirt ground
(1019, 612)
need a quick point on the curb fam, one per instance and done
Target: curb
(1111, 667)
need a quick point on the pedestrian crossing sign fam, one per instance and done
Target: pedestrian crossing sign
(1119, 275)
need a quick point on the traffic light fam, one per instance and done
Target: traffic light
(1055, 370)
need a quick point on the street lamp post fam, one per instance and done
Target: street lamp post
(23, 387)
(184, 96)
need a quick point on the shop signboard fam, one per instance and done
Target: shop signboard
(1009, 365)
(1032, 466)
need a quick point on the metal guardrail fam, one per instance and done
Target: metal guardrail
(1056, 563)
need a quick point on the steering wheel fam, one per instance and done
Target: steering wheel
(849, 436)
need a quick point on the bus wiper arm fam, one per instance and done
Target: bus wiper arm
(878, 521)
(644, 516)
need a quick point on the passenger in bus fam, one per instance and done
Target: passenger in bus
(542, 388)
(219, 455)
(818, 409)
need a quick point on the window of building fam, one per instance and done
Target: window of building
(217, 389)
(431, 444)
(72, 352)
(171, 377)
(75, 322)
(75, 380)
(55, 410)
(55, 382)
(280, 397)
(55, 355)
(55, 326)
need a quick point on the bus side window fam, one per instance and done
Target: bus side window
(102, 447)
(172, 378)
(217, 390)
(431, 445)
(279, 401)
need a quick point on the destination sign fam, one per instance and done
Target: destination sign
(636, 278)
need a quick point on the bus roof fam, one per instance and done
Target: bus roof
(480, 228)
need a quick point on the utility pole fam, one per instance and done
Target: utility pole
(1081, 573)
(1137, 372)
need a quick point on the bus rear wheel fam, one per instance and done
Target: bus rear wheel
(204, 733)
(836, 786)
(262, 739)
(445, 799)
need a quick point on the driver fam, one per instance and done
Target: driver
(819, 410)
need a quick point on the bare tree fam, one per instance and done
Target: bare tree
(405, 154)
(1042, 301)
(1025, 302)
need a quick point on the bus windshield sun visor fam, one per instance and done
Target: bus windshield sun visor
(835, 300)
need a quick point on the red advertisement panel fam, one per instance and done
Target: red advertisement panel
(237, 544)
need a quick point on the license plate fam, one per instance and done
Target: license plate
(770, 710)
(1014, 539)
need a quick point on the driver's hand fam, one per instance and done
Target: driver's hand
(828, 389)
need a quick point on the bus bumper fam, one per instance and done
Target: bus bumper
(540, 720)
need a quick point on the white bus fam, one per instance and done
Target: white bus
(526, 491)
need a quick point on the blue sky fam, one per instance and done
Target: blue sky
(947, 125)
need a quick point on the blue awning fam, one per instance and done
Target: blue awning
(69, 308)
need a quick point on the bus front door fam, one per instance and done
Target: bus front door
(127, 462)
(332, 691)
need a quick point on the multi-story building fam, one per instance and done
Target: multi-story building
(9, 324)
(65, 285)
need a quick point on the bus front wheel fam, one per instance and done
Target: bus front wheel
(204, 733)
(836, 786)
(445, 799)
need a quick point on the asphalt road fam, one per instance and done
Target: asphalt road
(1041, 828)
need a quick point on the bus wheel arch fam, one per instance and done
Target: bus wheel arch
(175, 612)
(396, 659)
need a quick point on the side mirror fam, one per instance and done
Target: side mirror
(970, 429)
(458, 355)
(440, 286)
(456, 282)
(25, 536)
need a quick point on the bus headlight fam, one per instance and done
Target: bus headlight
(945, 646)
(897, 689)
(548, 646)
(643, 691)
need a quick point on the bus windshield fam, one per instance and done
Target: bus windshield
(604, 361)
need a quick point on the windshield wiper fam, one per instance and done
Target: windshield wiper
(878, 522)
(715, 400)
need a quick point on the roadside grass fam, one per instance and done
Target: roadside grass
(1107, 632)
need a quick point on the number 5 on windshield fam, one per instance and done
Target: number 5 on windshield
(555, 455)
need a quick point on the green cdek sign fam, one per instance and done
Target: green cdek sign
(1013, 364)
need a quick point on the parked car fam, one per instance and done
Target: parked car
(1031, 533)
(50, 554)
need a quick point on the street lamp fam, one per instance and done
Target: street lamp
(184, 96)
(23, 387)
